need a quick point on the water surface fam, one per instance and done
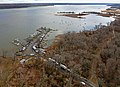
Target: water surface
(20, 22)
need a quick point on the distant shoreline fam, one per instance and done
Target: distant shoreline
(26, 5)
(22, 5)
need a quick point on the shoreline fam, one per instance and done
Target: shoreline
(58, 37)
(87, 32)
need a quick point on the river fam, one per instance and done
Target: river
(20, 22)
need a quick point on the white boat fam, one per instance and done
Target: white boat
(22, 61)
(32, 54)
(51, 59)
(34, 47)
(24, 48)
(83, 83)
(63, 66)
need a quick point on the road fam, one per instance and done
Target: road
(69, 73)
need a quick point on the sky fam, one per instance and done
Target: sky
(59, 1)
